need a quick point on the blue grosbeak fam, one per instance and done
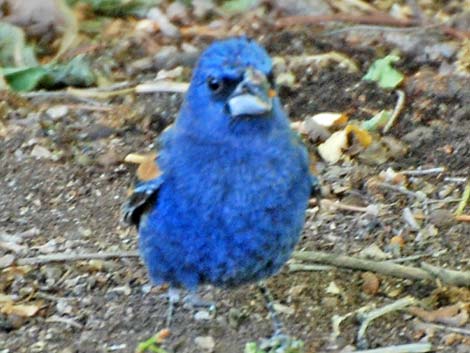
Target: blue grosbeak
(229, 205)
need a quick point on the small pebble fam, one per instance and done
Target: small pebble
(40, 152)
(207, 343)
(202, 315)
(6, 260)
(58, 111)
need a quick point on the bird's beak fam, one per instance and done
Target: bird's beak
(253, 95)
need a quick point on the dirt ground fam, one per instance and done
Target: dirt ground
(65, 196)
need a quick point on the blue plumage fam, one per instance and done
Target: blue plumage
(229, 206)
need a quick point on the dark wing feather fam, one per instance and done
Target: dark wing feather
(141, 201)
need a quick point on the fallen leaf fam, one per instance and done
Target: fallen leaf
(329, 119)
(382, 72)
(77, 72)
(378, 121)
(118, 7)
(455, 315)
(332, 149)
(370, 283)
(148, 168)
(397, 240)
(5, 298)
(22, 310)
(363, 137)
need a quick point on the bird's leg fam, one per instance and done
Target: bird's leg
(192, 300)
(173, 297)
(279, 342)
(269, 302)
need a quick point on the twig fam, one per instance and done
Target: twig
(408, 258)
(295, 267)
(61, 257)
(410, 219)
(374, 19)
(463, 218)
(99, 94)
(457, 278)
(336, 320)
(162, 86)
(417, 172)
(404, 348)
(341, 59)
(464, 201)
(341, 206)
(382, 267)
(47, 95)
(402, 190)
(446, 328)
(367, 317)
(396, 111)
(426, 272)
(377, 29)
(89, 107)
(457, 180)
(64, 320)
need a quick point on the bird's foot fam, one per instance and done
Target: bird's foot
(193, 301)
(281, 343)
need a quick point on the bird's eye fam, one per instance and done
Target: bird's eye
(214, 84)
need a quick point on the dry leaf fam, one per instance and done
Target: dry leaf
(397, 240)
(148, 168)
(5, 298)
(332, 149)
(22, 310)
(362, 136)
(371, 283)
(454, 315)
(329, 119)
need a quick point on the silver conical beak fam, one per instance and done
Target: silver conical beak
(253, 95)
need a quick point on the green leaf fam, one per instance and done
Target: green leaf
(118, 7)
(382, 72)
(237, 6)
(150, 345)
(252, 347)
(378, 121)
(23, 78)
(77, 72)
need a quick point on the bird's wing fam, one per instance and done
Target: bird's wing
(145, 193)
(297, 140)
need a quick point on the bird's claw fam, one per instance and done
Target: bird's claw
(281, 343)
(193, 301)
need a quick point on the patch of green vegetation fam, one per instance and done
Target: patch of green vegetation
(117, 7)
(382, 72)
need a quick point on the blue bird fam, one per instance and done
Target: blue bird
(229, 205)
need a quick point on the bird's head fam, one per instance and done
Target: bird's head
(232, 90)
